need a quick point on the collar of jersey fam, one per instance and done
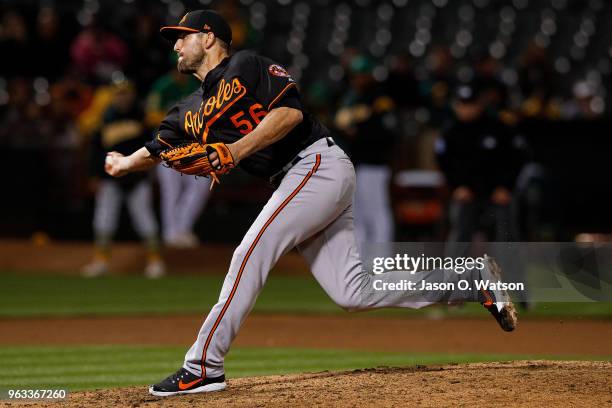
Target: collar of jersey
(214, 75)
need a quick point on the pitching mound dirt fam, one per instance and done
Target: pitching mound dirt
(520, 383)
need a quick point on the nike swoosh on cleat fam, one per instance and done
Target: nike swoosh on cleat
(489, 299)
(183, 386)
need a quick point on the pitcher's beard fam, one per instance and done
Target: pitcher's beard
(185, 67)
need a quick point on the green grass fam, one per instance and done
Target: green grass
(89, 367)
(28, 295)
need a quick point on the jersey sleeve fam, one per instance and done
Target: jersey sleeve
(168, 134)
(269, 82)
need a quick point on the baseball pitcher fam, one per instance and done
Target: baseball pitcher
(248, 113)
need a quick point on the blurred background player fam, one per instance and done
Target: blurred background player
(123, 131)
(366, 119)
(480, 162)
(182, 197)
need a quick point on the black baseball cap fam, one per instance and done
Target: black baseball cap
(200, 21)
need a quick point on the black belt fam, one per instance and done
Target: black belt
(276, 178)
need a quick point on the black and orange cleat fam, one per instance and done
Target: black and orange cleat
(184, 382)
(496, 300)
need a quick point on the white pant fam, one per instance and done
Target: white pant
(139, 203)
(182, 200)
(373, 215)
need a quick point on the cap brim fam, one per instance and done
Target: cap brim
(171, 33)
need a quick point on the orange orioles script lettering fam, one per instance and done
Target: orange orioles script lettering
(227, 94)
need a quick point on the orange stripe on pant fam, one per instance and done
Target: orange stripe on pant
(248, 254)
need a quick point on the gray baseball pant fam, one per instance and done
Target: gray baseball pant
(139, 202)
(182, 200)
(373, 215)
(310, 210)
